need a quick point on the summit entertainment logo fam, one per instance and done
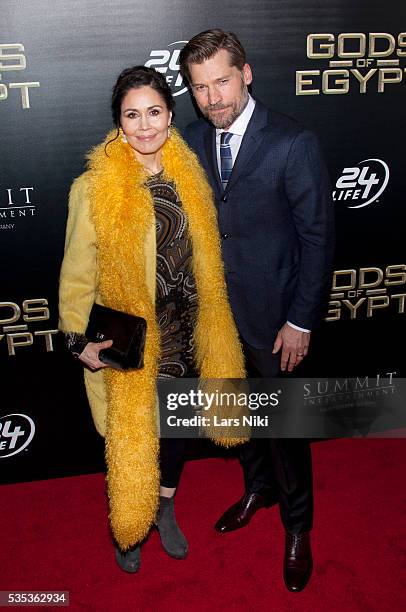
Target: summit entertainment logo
(166, 61)
(367, 62)
(16, 203)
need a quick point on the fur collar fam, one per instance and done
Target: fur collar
(122, 212)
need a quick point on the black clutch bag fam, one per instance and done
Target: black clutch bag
(127, 332)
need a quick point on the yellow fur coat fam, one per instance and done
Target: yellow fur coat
(110, 258)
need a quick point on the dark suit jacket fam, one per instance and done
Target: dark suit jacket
(276, 222)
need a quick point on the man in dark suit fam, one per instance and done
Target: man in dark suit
(275, 219)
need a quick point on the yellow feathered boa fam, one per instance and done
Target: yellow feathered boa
(122, 211)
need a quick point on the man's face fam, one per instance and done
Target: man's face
(220, 90)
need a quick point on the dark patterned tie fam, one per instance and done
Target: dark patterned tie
(226, 159)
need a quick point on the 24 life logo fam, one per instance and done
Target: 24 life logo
(16, 432)
(166, 61)
(363, 184)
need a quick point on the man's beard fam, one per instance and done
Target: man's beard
(224, 120)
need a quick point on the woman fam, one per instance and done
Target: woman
(142, 238)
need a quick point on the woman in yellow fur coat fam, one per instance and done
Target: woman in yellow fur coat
(142, 238)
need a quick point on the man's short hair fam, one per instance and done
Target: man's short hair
(206, 44)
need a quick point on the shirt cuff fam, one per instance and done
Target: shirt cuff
(75, 343)
(302, 329)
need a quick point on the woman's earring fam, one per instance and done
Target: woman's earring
(169, 131)
(123, 137)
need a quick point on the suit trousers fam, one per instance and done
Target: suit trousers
(280, 469)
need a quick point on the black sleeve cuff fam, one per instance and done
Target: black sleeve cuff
(75, 343)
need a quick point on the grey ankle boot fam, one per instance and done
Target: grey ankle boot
(172, 539)
(129, 561)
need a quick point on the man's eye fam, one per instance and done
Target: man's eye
(224, 81)
(199, 87)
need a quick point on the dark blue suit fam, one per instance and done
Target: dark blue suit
(275, 219)
(276, 222)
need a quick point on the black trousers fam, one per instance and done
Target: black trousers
(171, 459)
(278, 468)
(172, 453)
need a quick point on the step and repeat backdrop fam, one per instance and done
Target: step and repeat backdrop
(338, 66)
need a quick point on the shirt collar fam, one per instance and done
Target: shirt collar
(240, 124)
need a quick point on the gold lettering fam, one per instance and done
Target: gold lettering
(401, 297)
(363, 284)
(401, 43)
(384, 77)
(6, 57)
(329, 47)
(18, 339)
(335, 313)
(3, 92)
(48, 337)
(25, 98)
(354, 307)
(353, 36)
(363, 78)
(301, 82)
(391, 273)
(375, 302)
(351, 285)
(335, 90)
(16, 310)
(39, 306)
(373, 37)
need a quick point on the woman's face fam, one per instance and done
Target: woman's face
(145, 119)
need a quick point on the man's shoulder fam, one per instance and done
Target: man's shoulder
(285, 124)
(196, 129)
(285, 121)
(288, 130)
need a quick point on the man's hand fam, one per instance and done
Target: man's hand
(294, 345)
(90, 354)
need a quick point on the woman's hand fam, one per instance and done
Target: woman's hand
(90, 354)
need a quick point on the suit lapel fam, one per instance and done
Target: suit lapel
(211, 154)
(250, 143)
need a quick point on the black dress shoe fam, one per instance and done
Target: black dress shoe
(240, 514)
(298, 563)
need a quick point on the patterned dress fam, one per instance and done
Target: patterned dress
(176, 295)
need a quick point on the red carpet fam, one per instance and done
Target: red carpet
(54, 537)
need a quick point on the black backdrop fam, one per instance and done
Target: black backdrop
(58, 62)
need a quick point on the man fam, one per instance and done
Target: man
(275, 219)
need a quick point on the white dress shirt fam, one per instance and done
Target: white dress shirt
(237, 130)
